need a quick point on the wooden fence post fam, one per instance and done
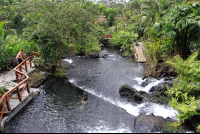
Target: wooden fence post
(19, 94)
(26, 66)
(28, 88)
(8, 103)
(17, 79)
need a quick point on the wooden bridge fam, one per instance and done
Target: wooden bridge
(139, 52)
(106, 36)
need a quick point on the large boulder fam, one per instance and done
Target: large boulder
(132, 94)
(65, 64)
(148, 123)
(93, 54)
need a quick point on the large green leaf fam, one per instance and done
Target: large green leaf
(1, 27)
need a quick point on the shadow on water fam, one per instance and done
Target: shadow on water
(58, 108)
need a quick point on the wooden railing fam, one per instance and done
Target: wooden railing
(23, 83)
(106, 36)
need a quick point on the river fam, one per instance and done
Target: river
(58, 107)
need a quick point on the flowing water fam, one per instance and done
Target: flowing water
(58, 107)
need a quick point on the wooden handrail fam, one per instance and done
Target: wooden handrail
(5, 99)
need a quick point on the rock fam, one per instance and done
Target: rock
(161, 87)
(64, 64)
(144, 77)
(142, 92)
(104, 56)
(148, 123)
(93, 54)
(44, 73)
(145, 83)
(131, 94)
(73, 65)
(198, 109)
(169, 79)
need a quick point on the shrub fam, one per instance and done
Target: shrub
(154, 50)
(185, 92)
(125, 41)
(3, 90)
(38, 62)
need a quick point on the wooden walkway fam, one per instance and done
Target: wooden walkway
(139, 52)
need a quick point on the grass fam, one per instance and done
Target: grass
(61, 73)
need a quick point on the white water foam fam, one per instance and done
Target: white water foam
(156, 109)
(69, 60)
(148, 87)
(138, 79)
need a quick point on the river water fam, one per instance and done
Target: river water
(58, 107)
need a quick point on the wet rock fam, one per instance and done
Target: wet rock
(169, 78)
(148, 123)
(64, 64)
(93, 54)
(145, 83)
(73, 65)
(161, 87)
(142, 92)
(104, 56)
(144, 77)
(131, 94)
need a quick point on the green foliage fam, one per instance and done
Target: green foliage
(125, 41)
(11, 46)
(172, 127)
(2, 91)
(185, 92)
(38, 62)
(182, 24)
(154, 50)
(61, 73)
(1, 28)
(74, 24)
(198, 129)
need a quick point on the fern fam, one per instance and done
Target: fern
(183, 94)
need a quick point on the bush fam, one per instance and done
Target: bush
(11, 46)
(3, 90)
(38, 62)
(185, 92)
(125, 41)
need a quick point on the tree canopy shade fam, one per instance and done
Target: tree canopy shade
(59, 23)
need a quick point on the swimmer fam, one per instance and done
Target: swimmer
(84, 99)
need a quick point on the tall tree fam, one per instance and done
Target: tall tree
(56, 23)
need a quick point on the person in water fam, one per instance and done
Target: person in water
(84, 99)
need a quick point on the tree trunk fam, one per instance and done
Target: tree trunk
(124, 15)
(60, 54)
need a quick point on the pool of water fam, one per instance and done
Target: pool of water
(58, 109)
